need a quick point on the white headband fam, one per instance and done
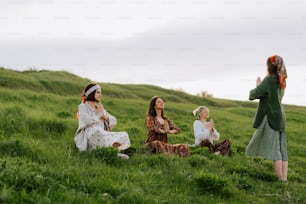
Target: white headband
(196, 111)
(92, 89)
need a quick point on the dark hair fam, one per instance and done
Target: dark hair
(272, 68)
(91, 96)
(151, 110)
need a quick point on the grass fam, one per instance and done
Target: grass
(39, 162)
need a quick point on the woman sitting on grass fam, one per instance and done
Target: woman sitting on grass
(95, 124)
(159, 126)
(205, 132)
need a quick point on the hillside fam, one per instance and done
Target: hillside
(40, 164)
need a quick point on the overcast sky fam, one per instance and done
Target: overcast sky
(195, 45)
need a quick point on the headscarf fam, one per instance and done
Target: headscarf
(281, 69)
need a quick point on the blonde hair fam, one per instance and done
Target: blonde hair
(196, 112)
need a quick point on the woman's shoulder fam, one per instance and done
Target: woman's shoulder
(274, 77)
(270, 80)
(197, 122)
(149, 117)
(166, 118)
(270, 77)
(81, 105)
(84, 107)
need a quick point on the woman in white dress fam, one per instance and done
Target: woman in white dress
(95, 124)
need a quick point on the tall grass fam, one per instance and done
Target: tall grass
(39, 162)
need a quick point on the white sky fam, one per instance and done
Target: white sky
(194, 45)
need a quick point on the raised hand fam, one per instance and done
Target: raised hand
(258, 81)
(99, 108)
(212, 124)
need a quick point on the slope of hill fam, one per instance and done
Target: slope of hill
(40, 164)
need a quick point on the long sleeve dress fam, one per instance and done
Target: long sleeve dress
(154, 129)
(157, 140)
(93, 131)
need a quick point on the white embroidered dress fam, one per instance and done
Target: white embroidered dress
(91, 132)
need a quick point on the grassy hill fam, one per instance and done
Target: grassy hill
(39, 162)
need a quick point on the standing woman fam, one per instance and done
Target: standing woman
(159, 126)
(95, 124)
(269, 139)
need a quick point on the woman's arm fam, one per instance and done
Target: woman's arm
(107, 118)
(153, 126)
(215, 134)
(260, 91)
(173, 129)
(87, 117)
(110, 119)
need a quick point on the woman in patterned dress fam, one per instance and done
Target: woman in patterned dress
(159, 126)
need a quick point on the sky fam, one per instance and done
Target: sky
(191, 45)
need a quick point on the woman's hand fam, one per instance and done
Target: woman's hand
(258, 81)
(100, 112)
(162, 130)
(212, 124)
(99, 108)
(173, 131)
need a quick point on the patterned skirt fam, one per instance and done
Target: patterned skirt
(220, 148)
(157, 147)
(119, 140)
(268, 143)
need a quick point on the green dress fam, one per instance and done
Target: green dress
(268, 143)
(269, 139)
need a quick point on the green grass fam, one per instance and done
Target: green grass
(39, 162)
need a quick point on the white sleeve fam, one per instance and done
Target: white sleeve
(85, 118)
(215, 135)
